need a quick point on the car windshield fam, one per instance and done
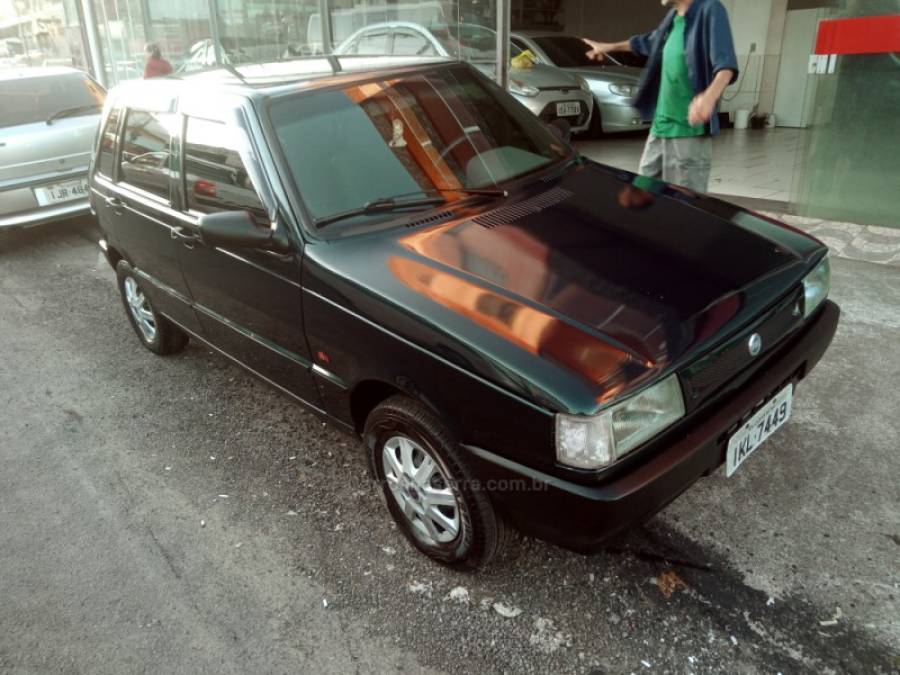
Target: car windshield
(568, 51)
(565, 51)
(440, 131)
(36, 99)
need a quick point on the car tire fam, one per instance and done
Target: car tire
(155, 332)
(428, 488)
(595, 130)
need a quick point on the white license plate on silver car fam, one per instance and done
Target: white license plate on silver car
(769, 419)
(568, 109)
(65, 191)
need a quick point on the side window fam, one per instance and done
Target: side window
(215, 176)
(412, 43)
(106, 158)
(146, 151)
(372, 44)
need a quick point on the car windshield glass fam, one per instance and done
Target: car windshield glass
(470, 42)
(434, 132)
(36, 99)
(566, 51)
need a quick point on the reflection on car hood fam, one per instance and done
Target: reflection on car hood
(585, 290)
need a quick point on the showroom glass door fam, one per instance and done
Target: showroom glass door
(848, 164)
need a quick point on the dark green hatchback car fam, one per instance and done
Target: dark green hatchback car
(520, 337)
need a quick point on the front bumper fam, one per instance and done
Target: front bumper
(619, 118)
(582, 517)
(544, 106)
(47, 214)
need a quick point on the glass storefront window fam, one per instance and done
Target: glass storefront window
(194, 35)
(849, 163)
(35, 33)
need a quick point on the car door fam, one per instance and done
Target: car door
(248, 301)
(138, 208)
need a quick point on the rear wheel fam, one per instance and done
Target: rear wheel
(428, 489)
(156, 333)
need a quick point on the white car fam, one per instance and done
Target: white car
(48, 122)
(548, 92)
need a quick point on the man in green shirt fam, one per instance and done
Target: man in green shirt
(691, 61)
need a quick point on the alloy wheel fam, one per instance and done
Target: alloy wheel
(422, 490)
(140, 309)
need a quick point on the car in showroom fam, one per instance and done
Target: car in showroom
(550, 93)
(48, 122)
(521, 338)
(612, 82)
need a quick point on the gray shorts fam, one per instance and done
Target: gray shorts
(682, 161)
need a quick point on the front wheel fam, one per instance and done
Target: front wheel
(427, 487)
(156, 333)
(595, 130)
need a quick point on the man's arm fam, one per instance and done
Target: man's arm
(704, 104)
(600, 49)
(724, 64)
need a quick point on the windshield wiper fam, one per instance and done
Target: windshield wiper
(399, 202)
(69, 112)
(386, 205)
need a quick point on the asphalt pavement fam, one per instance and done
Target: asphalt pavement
(174, 515)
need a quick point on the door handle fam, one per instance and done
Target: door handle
(187, 237)
(115, 204)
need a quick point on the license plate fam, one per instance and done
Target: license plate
(568, 109)
(769, 419)
(61, 192)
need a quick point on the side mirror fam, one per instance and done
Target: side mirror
(562, 130)
(237, 229)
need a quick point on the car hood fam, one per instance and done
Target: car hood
(38, 149)
(580, 292)
(538, 75)
(610, 74)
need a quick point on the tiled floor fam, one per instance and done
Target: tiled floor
(750, 164)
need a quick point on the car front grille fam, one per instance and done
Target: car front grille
(707, 375)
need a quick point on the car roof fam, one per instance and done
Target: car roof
(37, 71)
(270, 79)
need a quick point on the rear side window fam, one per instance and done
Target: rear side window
(38, 98)
(146, 151)
(106, 159)
(215, 176)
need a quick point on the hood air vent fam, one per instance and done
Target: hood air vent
(510, 214)
(431, 220)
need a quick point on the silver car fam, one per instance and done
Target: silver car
(548, 92)
(613, 83)
(48, 120)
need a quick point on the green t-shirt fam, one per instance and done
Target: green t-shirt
(676, 91)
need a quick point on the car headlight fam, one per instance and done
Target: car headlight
(521, 89)
(597, 441)
(626, 90)
(816, 286)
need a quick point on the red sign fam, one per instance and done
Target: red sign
(862, 35)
